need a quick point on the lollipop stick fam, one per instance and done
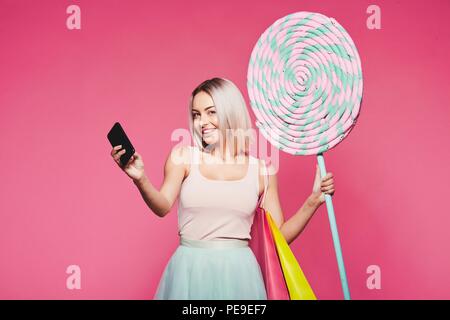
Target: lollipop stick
(334, 232)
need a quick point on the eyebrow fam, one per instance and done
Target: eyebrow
(205, 108)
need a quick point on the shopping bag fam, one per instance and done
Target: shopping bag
(298, 286)
(263, 247)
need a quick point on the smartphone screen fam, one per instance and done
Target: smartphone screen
(117, 136)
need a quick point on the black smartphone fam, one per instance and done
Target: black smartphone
(117, 136)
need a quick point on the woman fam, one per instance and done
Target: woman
(219, 185)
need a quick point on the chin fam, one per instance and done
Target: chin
(210, 141)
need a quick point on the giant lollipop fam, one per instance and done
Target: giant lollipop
(305, 87)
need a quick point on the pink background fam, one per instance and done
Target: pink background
(63, 200)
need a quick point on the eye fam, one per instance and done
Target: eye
(212, 112)
(194, 115)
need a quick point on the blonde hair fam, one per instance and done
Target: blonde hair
(232, 113)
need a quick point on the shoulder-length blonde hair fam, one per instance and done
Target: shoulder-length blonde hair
(232, 113)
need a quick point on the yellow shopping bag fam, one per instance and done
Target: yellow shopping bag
(298, 286)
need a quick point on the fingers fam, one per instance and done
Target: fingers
(327, 189)
(327, 184)
(328, 177)
(116, 154)
(114, 149)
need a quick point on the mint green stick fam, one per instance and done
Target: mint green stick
(334, 232)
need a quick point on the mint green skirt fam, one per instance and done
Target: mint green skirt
(212, 270)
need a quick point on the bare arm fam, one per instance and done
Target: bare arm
(292, 228)
(160, 202)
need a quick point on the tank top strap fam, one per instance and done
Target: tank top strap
(266, 183)
(254, 176)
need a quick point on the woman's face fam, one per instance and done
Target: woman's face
(205, 118)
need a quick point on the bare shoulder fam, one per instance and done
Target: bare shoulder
(179, 158)
(180, 152)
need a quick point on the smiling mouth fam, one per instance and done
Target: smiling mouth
(207, 131)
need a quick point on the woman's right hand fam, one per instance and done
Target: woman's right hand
(135, 166)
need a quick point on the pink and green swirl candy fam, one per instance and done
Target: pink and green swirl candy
(305, 83)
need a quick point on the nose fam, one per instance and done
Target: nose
(203, 120)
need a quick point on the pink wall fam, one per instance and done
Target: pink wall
(63, 201)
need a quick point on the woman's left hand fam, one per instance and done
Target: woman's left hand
(322, 186)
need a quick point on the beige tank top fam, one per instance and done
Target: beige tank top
(211, 209)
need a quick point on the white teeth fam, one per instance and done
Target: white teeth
(208, 131)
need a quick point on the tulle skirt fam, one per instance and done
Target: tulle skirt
(212, 270)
